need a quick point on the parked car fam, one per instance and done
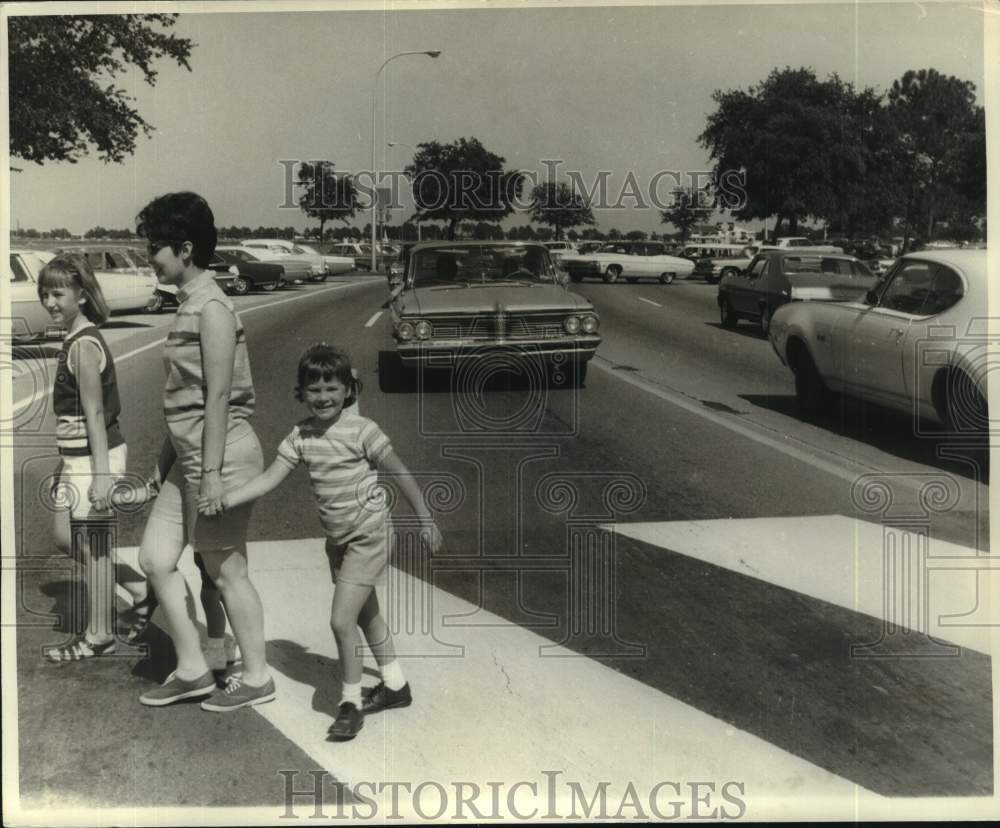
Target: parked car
(631, 260)
(29, 321)
(297, 270)
(468, 300)
(361, 252)
(712, 262)
(802, 243)
(289, 254)
(126, 289)
(917, 342)
(775, 277)
(236, 272)
(560, 249)
(334, 264)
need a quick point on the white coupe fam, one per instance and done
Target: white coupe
(631, 260)
(918, 342)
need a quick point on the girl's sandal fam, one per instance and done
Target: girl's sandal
(143, 611)
(79, 649)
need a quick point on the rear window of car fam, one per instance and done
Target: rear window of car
(801, 265)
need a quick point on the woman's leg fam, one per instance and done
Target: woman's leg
(228, 568)
(162, 543)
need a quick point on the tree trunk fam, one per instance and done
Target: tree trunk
(452, 224)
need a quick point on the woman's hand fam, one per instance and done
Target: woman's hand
(211, 494)
(99, 493)
(436, 540)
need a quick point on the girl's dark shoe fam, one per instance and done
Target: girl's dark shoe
(382, 698)
(141, 612)
(348, 723)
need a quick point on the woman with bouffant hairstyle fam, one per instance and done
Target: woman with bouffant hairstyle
(208, 400)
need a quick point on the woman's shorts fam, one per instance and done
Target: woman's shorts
(71, 482)
(177, 503)
(362, 559)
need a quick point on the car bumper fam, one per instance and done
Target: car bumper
(581, 349)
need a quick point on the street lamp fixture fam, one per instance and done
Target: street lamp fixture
(432, 53)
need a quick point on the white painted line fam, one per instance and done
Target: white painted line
(128, 355)
(844, 561)
(475, 680)
(649, 301)
(813, 456)
(374, 319)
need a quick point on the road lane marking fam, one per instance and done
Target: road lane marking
(843, 561)
(128, 355)
(374, 319)
(649, 301)
(471, 680)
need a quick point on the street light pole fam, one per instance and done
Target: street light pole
(430, 53)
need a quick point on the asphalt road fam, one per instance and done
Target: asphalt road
(682, 426)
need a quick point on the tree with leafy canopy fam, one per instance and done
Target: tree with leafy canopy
(791, 135)
(560, 207)
(461, 181)
(691, 206)
(325, 195)
(943, 135)
(63, 96)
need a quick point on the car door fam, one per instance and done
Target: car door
(876, 339)
(742, 288)
(27, 314)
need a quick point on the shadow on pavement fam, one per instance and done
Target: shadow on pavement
(888, 431)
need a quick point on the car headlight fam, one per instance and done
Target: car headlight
(423, 329)
(590, 324)
(233, 270)
(572, 324)
(405, 330)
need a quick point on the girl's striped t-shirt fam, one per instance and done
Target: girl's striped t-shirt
(342, 460)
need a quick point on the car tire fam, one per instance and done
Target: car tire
(727, 316)
(576, 277)
(240, 286)
(155, 304)
(810, 391)
(765, 319)
(667, 278)
(270, 287)
(966, 411)
(612, 274)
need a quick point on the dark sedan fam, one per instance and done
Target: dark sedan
(236, 272)
(776, 277)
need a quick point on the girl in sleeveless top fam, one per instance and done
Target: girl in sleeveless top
(92, 451)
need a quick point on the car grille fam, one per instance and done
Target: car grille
(489, 326)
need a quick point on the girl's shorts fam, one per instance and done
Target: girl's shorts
(71, 483)
(176, 506)
(361, 559)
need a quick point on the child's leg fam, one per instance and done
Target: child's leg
(348, 601)
(376, 631)
(96, 539)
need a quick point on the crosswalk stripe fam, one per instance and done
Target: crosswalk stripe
(921, 584)
(488, 706)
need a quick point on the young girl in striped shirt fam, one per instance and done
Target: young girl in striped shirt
(92, 451)
(343, 453)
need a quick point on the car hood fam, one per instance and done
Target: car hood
(472, 300)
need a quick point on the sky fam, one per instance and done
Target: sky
(608, 87)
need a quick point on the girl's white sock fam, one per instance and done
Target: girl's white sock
(351, 693)
(392, 675)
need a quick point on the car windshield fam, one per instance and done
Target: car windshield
(482, 264)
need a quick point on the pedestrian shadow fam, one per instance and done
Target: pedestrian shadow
(318, 671)
(113, 324)
(889, 431)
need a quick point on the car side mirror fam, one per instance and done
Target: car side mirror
(871, 298)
